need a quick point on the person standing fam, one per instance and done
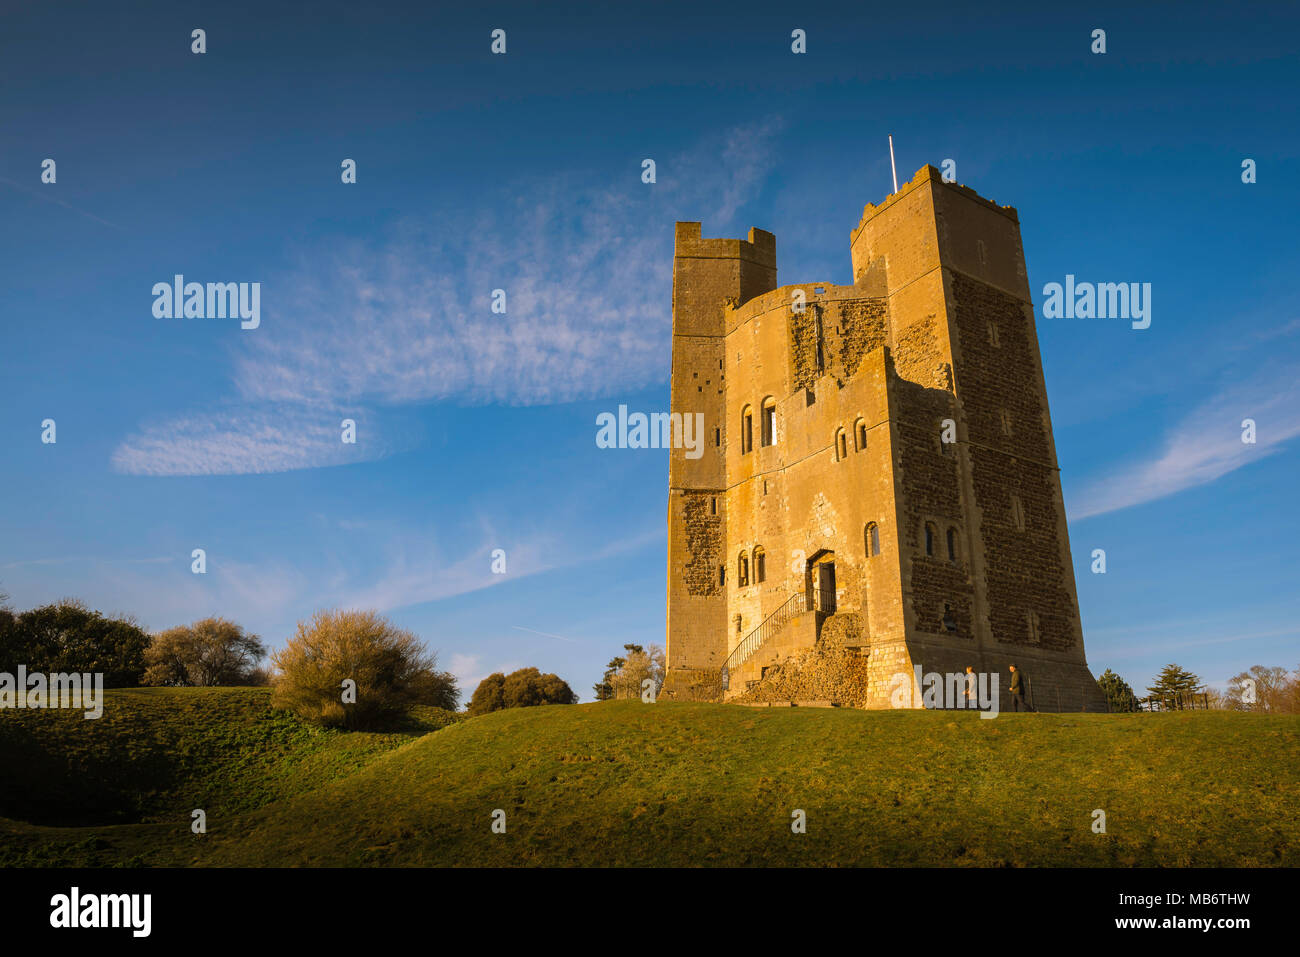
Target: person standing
(1017, 689)
(971, 700)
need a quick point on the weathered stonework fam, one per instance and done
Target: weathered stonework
(831, 516)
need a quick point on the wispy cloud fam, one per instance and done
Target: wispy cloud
(468, 671)
(76, 559)
(247, 439)
(586, 270)
(1207, 444)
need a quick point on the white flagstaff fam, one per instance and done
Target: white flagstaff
(892, 168)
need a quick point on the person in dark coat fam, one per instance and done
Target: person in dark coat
(1017, 690)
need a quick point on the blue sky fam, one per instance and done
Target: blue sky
(476, 430)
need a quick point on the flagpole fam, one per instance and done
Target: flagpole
(892, 168)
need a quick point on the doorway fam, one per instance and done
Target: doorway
(821, 582)
(826, 587)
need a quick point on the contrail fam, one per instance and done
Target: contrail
(546, 634)
(39, 195)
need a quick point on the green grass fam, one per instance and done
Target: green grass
(159, 752)
(622, 783)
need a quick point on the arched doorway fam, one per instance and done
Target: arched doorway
(819, 580)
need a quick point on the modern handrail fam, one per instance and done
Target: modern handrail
(793, 606)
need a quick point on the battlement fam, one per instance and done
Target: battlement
(759, 248)
(927, 174)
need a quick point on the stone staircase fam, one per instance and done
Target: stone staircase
(793, 627)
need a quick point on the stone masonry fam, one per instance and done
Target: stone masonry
(830, 513)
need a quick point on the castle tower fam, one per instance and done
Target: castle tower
(880, 469)
(709, 276)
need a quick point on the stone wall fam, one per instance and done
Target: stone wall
(937, 326)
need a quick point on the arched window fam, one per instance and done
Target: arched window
(1035, 634)
(1005, 416)
(760, 565)
(873, 539)
(769, 421)
(1017, 513)
(952, 544)
(742, 570)
(722, 575)
(860, 435)
(841, 445)
(930, 534)
(746, 429)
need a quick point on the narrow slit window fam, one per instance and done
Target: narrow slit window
(1017, 513)
(769, 421)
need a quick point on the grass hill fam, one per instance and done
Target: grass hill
(622, 783)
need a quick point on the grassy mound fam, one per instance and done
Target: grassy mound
(161, 752)
(622, 783)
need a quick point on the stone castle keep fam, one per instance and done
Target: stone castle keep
(879, 470)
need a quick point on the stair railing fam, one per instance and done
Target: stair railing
(793, 606)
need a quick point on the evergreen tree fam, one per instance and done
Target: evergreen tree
(1173, 685)
(1117, 691)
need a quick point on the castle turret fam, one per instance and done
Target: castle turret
(709, 277)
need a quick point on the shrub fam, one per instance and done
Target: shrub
(67, 636)
(389, 665)
(520, 689)
(209, 652)
(628, 680)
